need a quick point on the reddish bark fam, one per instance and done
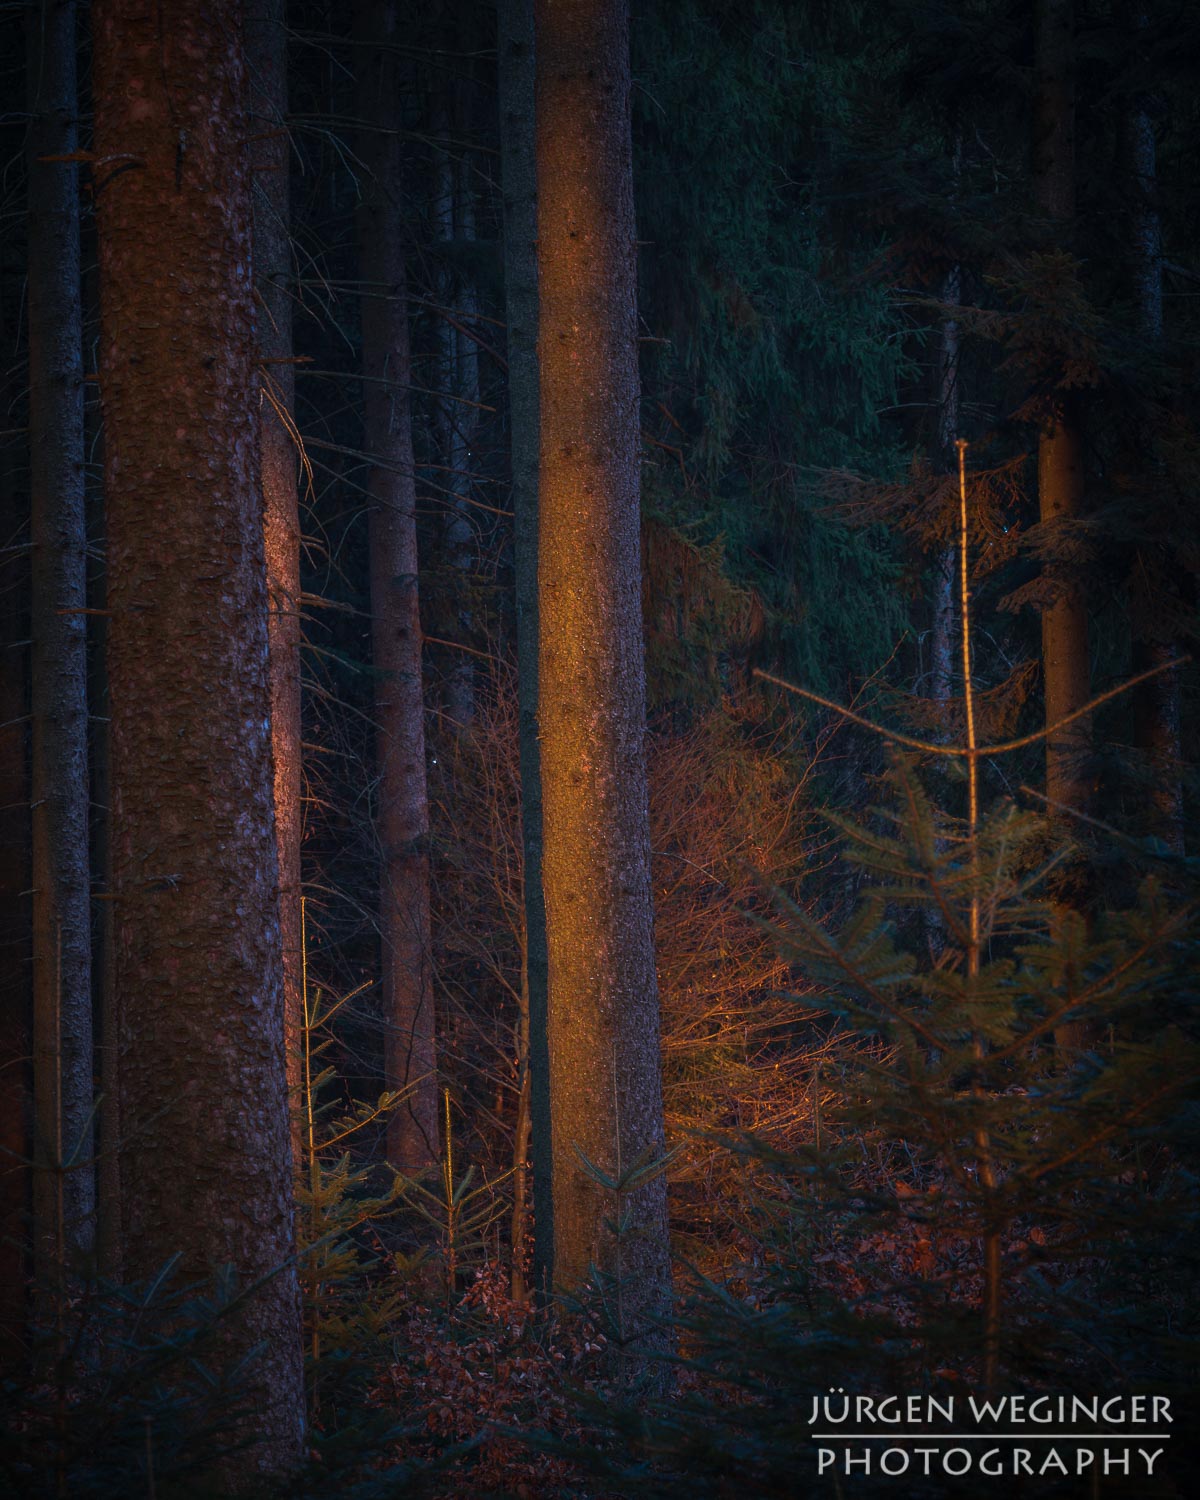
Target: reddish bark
(266, 47)
(605, 1087)
(205, 1169)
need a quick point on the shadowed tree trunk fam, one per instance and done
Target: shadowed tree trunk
(64, 1177)
(205, 1167)
(1065, 663)
(15, 1006)
(942, 648)
(402, 818)
(1156, 703)
(266, 58)
(454, 213)
(605, 1075)
(515, 61)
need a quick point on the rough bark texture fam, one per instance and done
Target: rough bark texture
(1065, 661)
(515, 61)
(1156, 703)
(205, 1168)
(605, 1076)
(266, 58)
(64, 1177)
(402, 818)
(15, 999)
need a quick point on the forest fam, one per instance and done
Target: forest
(598, 749)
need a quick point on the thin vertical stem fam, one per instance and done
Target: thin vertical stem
(987, 1174)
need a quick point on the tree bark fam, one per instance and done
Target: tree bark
(15, 998)
(266, 56)
(1065, 660)
(402, 818)
(454, 212)
(64, 1175)
(942, 649)
(1156, 703)
(205, 1168)
(515, 61)
(604, 1052)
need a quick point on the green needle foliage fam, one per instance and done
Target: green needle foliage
(980, 1212)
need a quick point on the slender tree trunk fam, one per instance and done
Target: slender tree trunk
(605, 1069)
(1156, 703)
(515, 61)
(403, 811)
(266, 57)
(64, 1176)
(205, 1167)
(1065, 661)
(1066, 666)
(15, 998)
(942, 649)
(454, 212)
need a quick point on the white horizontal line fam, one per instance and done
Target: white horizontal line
(987, 1437)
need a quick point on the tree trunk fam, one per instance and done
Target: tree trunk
(64, 1175)
(1156, 703)
(15, 998)
(205, 1168)
(515, 54)
(605, 1071)
(1065, 661)
(266, 57)
(403, 811)
(454, 212)
(942, 648)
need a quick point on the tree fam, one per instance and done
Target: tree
(1157, 707)
(1065, 661)
(515, 69)
(605, 1090)
(64, 1180)
(14, 875)
(205, 1169)
(402, 816)
(266, 56)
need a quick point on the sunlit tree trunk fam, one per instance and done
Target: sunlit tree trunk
(515, 64)
(403, 811)
(1065, 662)
(266, 57)
(605, 1075)
(15, 1093)
(205, 1169)
(64, 1177)
(1156, 703)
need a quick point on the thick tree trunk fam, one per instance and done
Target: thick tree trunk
(1065, 661)
(1156, 703)
(266, 58)
(605, 1071)
(515, 61)
(15, 999)
(403, 811)
(64, 1174)
(205, 1168)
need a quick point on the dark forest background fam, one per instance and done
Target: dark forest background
(928, 1042)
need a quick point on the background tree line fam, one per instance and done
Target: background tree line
(434, 439)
